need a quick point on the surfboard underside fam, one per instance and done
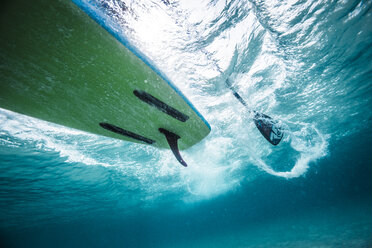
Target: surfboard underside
(59, 65)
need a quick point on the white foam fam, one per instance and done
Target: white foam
(311, 145)
(48, 137)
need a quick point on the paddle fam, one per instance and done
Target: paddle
(268, 127)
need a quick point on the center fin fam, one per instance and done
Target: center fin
(172, 139)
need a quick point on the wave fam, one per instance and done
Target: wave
(280, 66)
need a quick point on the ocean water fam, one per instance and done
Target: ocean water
(305, 63)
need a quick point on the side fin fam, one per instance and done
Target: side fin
(172, 139)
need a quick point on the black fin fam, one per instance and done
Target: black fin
(172, 139)
(162, 106)
(124, 132)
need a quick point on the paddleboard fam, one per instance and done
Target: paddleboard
(60, 65)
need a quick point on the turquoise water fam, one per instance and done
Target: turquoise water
(306, 63)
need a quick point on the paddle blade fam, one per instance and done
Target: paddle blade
(269, 128)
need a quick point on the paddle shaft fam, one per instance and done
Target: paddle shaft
(241, 100)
